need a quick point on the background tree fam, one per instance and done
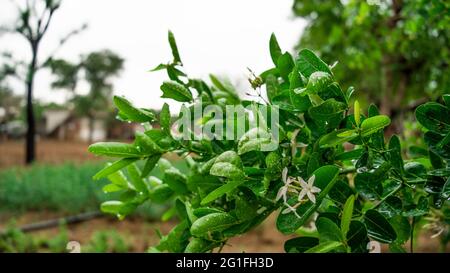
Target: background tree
(9, 102)
(396, 51)
(33, 21)
(96, 69)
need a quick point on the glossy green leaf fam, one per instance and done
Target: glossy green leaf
(199, 245)
(176, 181)
(115, 149)
(373, 124)
(176, 91)
(300, 244)
(378, 227)
(309, 63)
(285, 64)
(391, 207)
(135, 178)
(274, 47)
(212, 222)
(150, 164)
(357, 238)
(114, 167)
(328, 230)
(132, 113)
(347, 213)
(337, 137)
(146, 145)
(224, 189)
(395, 153)
(434, 117)
(173, 46)
(164, 118)
(228, 170)
(324, 247)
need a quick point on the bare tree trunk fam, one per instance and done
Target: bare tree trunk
(30, 147)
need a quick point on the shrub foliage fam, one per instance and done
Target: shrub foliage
(334, 179)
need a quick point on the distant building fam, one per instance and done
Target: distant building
(64, 125)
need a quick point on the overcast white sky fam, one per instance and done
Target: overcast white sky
(221, 37)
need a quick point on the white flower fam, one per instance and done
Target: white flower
(282, 192)
(296, 187)
(308, 189)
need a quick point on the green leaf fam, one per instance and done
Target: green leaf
(433, 141)
(132, 113)
(229, 157)
(326, 177)
(160, 193)
(118, 208)
(329, 114)
(114, 167)
(356, 113)
(324, 247)
(309, 63)
(434, 117)
(378, 227)
(199, 245)
(328, 230)
(177, 239)
(164, 118)
(374, 124)
(349, 155)
(395, 153)
(253, 140)
(391, 207)
(337, 137)
(357, 238)
(176, 181)
(272, 87)
(402, 228)
(347, 213)
(150, 164)
(368, 184)
(228, 170)
(318, 81)
(173, 46)
(211, 223)
(285, 64)
(176, 91)
(224, 189)
(275, 50)
(119, 179)
(115, 149)
(300, 244)
(135, 178)
(146, 145)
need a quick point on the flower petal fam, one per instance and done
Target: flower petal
(311, 180)
(284, 174)
(311, 197)
(302, 194)
(302, 183)
(315, 189)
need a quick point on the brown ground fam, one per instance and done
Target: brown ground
(12, 153)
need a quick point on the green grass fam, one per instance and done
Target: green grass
(66, 188)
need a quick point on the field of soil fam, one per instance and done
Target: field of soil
(12, 153)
